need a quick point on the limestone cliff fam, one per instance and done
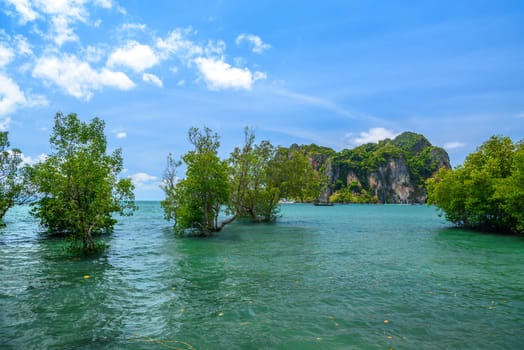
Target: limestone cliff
(391, 171)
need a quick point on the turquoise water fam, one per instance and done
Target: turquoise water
(321, 278)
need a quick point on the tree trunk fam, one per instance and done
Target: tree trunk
(226, 222)
(88, 241)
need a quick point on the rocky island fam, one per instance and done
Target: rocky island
(390, 171)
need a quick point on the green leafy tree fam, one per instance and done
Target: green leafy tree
(78, 183)
(262, 175)
(487, 192)
(194, 203)
(14, 188)
(252, 193)
(291, 172)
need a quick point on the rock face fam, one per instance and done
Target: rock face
(391, 171)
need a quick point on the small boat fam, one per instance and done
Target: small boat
(322, 204)
(286, 201)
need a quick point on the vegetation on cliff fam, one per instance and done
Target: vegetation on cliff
(390, 171)
(487, 191)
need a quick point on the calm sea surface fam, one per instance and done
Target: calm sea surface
(342, 277)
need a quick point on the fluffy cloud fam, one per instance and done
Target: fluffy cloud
(22, 45)
(31, 161)
(11, 97)
(93, 53)
(62, 32)
(221, 75)
(133, 27)
(177, 44)
(144, 181)
(134, 55)
(107, 4)
(24, 8)
(209, 59)
(372, 136)
(61, 15)
(77, 78)
(255, 42)
(152, 79)
(4, 124)
(6, 55)
(454, 145)
(121, 135)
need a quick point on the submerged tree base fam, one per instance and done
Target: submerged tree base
(77, 247)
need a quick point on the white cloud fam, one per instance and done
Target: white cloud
(107, 4)
(152, 79)
(144, 181)
(215, 48)
(134, 55)
(181, 83)
(256, 43)
(24, 8)
(454, 145)
(32, 161)
(4, 124)
(121, 135)
(77, 78)
(133, 27)
(36, 101)
(259, 76)
(61, 15)
(177, 44)
(221, 75)
(93, 54)
(239, 61)
(11, 97)
(521, 115)
(71, 10)
(6, 55)
(22, 45)
(61, 31)
(373, 135)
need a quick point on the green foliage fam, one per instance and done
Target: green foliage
(261, 175)
(291, 172)
(353, 193)
(487, 192)
(253, 194)
(78, 185)
(250, 183)
(14, 188)
(194, 202)
(414, 150)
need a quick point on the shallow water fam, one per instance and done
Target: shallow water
(321, 278)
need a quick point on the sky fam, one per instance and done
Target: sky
(334, 73)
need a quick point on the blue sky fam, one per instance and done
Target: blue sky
(335, 73)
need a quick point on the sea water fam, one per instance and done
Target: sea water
(341, 277)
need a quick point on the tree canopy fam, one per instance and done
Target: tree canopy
(250, 183)
(487, 191)
(194, 203)
(78, 183)
(14, 187)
